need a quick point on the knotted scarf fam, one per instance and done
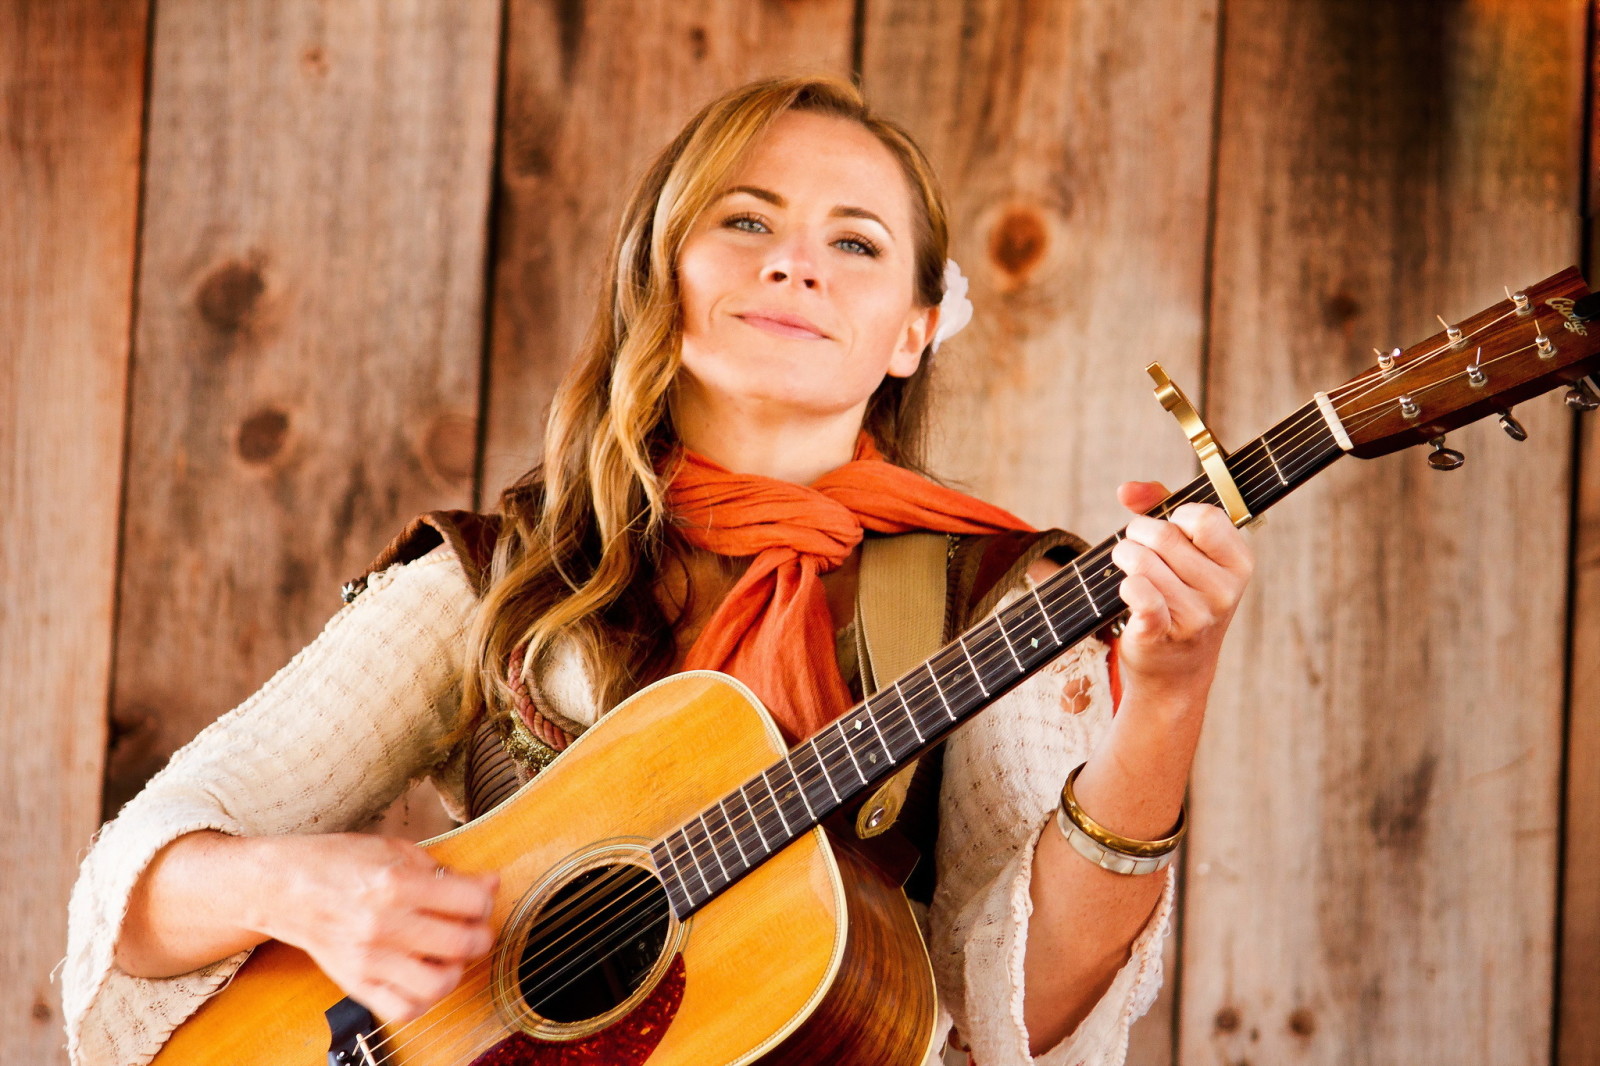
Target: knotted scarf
(773, 630)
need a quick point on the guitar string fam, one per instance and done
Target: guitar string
(990, 645)
(717, 840)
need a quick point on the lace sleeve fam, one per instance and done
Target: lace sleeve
(324, 746)
(1002, 776)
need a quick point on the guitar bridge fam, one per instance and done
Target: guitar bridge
(350, 1025)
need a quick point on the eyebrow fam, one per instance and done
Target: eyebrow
(839, 211)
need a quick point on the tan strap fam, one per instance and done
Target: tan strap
(900, 615)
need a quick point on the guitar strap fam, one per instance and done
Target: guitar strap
(901, 598)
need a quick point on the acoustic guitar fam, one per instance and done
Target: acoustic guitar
(669, 892)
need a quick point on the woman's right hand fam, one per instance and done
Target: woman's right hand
(381, 918)
(387, 923)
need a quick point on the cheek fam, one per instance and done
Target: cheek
(704, 274)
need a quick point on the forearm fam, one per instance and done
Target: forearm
(1085, 919)
(203, 897)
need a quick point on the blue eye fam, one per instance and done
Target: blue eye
(733, 223)
(866, 246)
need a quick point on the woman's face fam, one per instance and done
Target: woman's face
(797, 281)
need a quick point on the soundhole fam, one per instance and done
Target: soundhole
(594, 943)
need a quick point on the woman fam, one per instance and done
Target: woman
(774, 298)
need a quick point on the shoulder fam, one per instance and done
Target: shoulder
(985, 568)
(464, 538)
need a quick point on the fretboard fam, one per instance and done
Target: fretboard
(879, 735)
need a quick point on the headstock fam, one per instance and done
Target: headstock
(1542, 338)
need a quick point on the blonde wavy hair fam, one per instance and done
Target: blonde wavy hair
(585, 533)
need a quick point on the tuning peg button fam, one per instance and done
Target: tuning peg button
(1582, 397)
(1513, 428)
(1442, 458)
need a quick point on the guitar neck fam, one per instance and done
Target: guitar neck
(899, 722)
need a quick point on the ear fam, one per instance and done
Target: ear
(919, 330)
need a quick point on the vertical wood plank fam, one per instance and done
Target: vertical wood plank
(309, 339)
(72, 78)
(1374, 856)
(1578, 1006)
(1074, 144)
(593, 92)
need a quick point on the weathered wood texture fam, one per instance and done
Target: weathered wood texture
(71, 76)
(1578, 1008)
(1075, 146)
(309, 332)
(592, 93)
(1373, 863)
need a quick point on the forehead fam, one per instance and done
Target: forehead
(824, 160)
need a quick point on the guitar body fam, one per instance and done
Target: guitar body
(812, 957)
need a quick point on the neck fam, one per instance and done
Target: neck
(753, 439)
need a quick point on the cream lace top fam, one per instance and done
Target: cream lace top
(342, 730)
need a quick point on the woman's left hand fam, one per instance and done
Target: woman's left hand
(1185, 576)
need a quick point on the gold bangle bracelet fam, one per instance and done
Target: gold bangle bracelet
(1136, 849)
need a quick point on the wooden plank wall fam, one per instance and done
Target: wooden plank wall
(71, 78)
(371, 239)
(1373, 874)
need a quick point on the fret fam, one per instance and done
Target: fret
(962, 640)
(1266, 446)
(676, 893)
(1034, 588)
(999, 623)
(776, 805)
(934, 677)
(909, 716)
(689, 844)
(1093, 606)
(715, 850)
(800, 788)
(669, 873)
(851, 751)
(886, 750)
(733, 830)
(823, 766)
(754, 820)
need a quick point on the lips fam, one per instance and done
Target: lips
(783, 324)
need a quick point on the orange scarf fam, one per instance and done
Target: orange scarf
(773, 630)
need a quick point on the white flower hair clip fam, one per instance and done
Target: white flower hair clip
(955, 310)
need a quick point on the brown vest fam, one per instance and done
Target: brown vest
(980, 570)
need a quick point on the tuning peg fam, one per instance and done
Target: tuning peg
(1452, 333)
(1512, 427)
(1442, 458)
(1582, 397)
(1475, 375)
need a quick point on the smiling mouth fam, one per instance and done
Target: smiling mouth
(782, 329)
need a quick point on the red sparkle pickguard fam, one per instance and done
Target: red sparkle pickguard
(627, 1042)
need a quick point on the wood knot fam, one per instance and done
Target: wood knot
(1339, 310)
(1017, 244)
(450, 448)
(1302, 1022)
(229, 295)
(1228, 1020)
(314, 61)
(262, 435)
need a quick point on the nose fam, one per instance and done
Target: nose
(791, 261)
